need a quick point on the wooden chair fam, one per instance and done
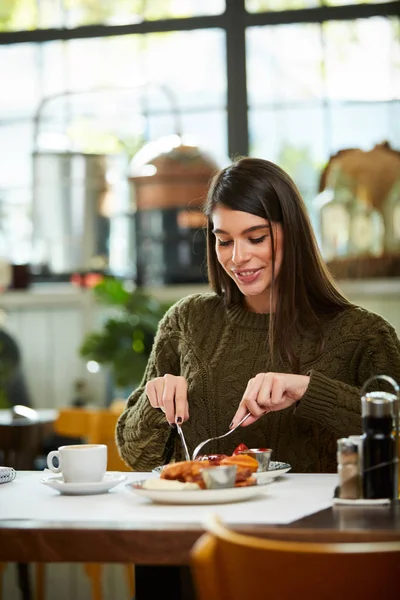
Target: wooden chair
(20, 443)
(74, 422)
(101, 430)
(231, 566)
(95, 426)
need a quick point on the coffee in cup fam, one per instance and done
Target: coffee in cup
(79, 463)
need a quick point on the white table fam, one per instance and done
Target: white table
(44, 415)
(38, 524)
(287, 499)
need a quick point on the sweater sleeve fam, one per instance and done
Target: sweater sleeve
(144, 438)
(335, 404)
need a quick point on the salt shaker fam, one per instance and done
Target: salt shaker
(349, 472)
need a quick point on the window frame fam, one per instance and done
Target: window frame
(234, 21)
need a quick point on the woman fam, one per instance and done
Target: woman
(276, 338)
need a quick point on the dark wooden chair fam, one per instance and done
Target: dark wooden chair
(20, 443)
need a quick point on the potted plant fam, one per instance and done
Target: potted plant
(124, 342)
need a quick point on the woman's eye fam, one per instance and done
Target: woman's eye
(224, 242)
(258, 240)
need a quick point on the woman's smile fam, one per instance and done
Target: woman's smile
(247, 276)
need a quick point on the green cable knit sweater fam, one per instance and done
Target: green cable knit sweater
(219, 350)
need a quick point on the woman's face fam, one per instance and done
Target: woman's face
(243, 247)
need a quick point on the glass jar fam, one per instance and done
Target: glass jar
(367, 229)
(391, 214)
(333, 204)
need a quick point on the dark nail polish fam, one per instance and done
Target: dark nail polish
(179, 419)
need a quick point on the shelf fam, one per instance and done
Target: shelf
(64, 294)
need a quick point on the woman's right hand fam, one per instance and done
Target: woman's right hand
(170, 394)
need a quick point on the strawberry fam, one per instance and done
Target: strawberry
(241, 448)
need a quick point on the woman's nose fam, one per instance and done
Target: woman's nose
(239, 254)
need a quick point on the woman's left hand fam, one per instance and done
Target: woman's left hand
(268, 392)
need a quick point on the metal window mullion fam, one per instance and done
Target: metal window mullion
(92, 31)
(323, 13)
(237, 105)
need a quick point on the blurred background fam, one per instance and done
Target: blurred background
(113, 118)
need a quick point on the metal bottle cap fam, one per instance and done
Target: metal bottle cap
(378, 404)
(346, 445)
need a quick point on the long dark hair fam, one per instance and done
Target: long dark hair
(304, 287)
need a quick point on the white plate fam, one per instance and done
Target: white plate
(83, 489)
(276, 469)
(235, 494)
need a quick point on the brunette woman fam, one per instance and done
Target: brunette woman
(275, 337)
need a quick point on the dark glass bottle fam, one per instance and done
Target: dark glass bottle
(378, 446)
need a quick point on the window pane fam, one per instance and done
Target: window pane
(17, 16)
(19, 94)
(206, 129)
(84, 12)
(338, 90)
(196, 78)
(33, 14)
(294, 139)
(284, 63)
(124, 117)
(256, 6)
(16, 143)
(357, 69)
(364, 124)
(139, 84)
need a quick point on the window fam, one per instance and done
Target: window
(289, 80)
(311, 92)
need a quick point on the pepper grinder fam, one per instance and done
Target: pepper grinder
(380, 440)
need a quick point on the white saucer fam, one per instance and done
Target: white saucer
(83, 489)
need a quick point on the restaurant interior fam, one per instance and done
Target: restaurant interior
(113, 118)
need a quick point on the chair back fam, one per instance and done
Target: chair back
(20, 444)
(73, 422)
(94, 426)
(102, 431)
(231, 566)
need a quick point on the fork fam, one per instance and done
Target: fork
(185, 448)
(218, 437)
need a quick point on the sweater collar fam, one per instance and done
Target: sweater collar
(241, 317)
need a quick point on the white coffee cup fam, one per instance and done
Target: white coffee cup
(80, 463)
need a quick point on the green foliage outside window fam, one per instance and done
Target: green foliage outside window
(18, 15)
(31, 14)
